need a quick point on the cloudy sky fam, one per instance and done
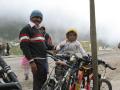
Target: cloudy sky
(69, 14)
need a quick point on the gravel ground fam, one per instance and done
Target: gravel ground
(111, 57)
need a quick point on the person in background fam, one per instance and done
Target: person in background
(48, 40)
(119, 45)
(8, 49)
(32, 43)
(2, 49)
(25, 66)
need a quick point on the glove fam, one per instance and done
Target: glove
(87, 58)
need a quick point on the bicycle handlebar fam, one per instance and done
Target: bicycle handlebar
(53, 57)
(80, 59)
(56, 57)
(106, 65)
(110, 67)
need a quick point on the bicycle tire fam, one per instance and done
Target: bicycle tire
(102, 81)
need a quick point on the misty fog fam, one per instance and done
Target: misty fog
(60, 15)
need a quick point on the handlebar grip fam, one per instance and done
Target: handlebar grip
(101, 62)
(110, 67)
(106, 65)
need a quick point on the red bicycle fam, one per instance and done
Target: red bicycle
(84, 77)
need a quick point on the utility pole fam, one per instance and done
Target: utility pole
(93, 44)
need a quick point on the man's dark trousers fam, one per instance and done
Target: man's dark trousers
(41, 75)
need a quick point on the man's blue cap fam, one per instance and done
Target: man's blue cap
(36, 13)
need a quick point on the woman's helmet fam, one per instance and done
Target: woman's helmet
(71, 31)
(36, 13)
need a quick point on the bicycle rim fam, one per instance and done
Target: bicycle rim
(105, 85)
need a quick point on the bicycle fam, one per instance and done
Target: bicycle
(103, 80)
(102, 66)
(86, 77)
(52, 82)
(8, 79)
(70, 76)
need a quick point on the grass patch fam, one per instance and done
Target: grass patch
(86, 45)
(15, 50)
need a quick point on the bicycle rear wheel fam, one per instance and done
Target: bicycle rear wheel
(105, 85)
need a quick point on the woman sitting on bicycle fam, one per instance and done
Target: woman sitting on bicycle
(71, 46)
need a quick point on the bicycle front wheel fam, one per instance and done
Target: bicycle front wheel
(105, 85)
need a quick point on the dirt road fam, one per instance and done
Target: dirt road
(112, 57)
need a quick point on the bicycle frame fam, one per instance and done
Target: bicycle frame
(59, 84)
(81, 82)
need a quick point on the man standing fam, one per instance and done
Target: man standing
(32, 43)
(8, 49)
(119, 45)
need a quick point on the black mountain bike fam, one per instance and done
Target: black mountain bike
(8, 79)
(55, 82)
(69, 77)
(102, 72)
